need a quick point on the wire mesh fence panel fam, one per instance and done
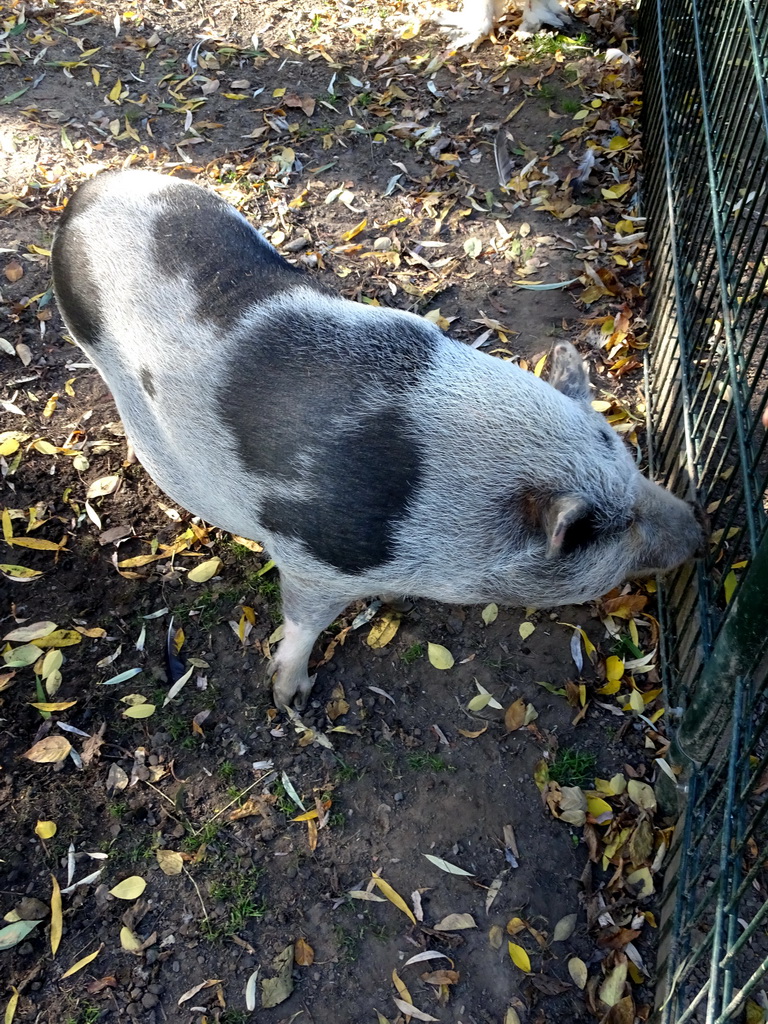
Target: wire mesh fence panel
(706, 198)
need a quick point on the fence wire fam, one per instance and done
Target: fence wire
(706, 198)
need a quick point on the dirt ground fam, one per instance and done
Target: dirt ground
(364, 148)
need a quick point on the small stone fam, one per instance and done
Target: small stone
(148, 1000)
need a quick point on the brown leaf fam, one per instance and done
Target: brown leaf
(626, 606)
(622, 1012)
(13, 271)
(254, 805)
(641, 843)
(514, 716)
(617, 938)
(303, 953)
(444, 977)
(93, 745)
(94, 987)
(549, 986)
(307, 103)
(49, 750)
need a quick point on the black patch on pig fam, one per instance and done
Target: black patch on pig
(76, 291)
(581, 533)
(230, 266)
(593, 527)
(147, 382)
(361, 487)
(303, 377)
(606, 437)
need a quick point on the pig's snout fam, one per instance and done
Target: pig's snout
(674, 531)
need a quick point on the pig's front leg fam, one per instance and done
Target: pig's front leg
(537, 13)
(306, 612)
(473, 23)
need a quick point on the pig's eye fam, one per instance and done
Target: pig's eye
(581, 533)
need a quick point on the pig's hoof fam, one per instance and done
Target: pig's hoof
(292, 695)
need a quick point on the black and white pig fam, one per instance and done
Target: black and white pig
(369, 452)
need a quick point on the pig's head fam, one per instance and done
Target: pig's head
(618, 526)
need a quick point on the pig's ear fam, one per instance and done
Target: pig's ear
(569, 373)
(567, 512)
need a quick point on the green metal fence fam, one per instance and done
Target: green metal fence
(706, 198)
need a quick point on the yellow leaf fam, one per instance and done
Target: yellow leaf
(278, 93)
(20, 657)
(205, 570)
(402, 988)
(171, 862)
(52, 662)
(307, 815)
(139, 711)
(7, 527)
(383, 630)
(19, 572)
(59, 638)
(129, 941)
(114, 92)
(455, 923)
(439, 656)
(38, 543)
(45, 829)
(490, 613)
(614, 668)
(95, 75)
(45, 447)
(610, 688)
(597, 807)
(729, 586)
(618, 142)
(349, 235)
(55, 705)
(94, 631)
(57, 920)
(10, 1009)
(755, 1013)
(130, 888)
(252, 545)
(511, 1016)
(636, 702)
(138, 560)
(525, 629)
(81, 964)
(49, 750)
(386, 889)
(539, 367)
(612, 988)
(642, 794)
(482, 700)
(519, 957)
(578, 971)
